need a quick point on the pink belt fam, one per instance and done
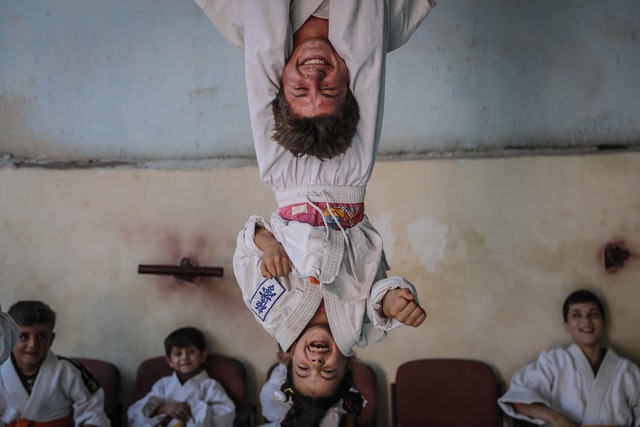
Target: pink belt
(347, 214)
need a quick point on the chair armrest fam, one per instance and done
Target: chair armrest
(115, 413)
(516, 422)
(245, 416)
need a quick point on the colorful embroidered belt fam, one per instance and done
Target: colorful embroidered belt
(347, 214)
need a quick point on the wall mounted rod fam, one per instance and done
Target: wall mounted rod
(176, 270)
(186, 270)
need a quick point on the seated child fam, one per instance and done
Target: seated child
(583, 384)
(189, 396)
(312, 386)
(44, 389)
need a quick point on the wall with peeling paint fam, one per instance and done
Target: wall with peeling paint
(152, 81)
(492, 245)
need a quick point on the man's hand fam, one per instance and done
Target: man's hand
(275, 262)
(177, 410)
(401, 304)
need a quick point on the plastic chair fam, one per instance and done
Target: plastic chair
(445, 393)
(108, 376)
(365, 380)
(228, 371)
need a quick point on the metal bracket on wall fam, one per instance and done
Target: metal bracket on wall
(187, 270)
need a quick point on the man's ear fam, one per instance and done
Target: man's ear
(205, 354)
(566, 326)
(168, 359)
(53, 336)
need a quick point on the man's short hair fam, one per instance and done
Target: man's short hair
(184, 337)
(324, 137)
(29, 313)
(578, 297)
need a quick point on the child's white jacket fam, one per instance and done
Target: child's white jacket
(284, 306)
(61, 387)
(210, 404)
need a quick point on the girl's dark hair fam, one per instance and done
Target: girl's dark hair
(308, 411)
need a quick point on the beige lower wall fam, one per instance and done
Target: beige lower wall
(493, 247)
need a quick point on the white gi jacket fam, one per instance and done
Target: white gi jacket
(275, 412)
(284, 306)
(61, 387)
(563, 380)
(9, 333)
(362, 32)
(210, 404)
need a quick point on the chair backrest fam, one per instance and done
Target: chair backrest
(446, 393)
(365, 380)
(107, 375)
(228, 371)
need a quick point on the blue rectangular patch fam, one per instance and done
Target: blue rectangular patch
(265, 297)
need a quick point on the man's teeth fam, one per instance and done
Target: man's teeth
(314, 62)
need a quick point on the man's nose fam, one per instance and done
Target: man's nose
(314, 73)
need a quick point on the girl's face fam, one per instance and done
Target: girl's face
(317, 364)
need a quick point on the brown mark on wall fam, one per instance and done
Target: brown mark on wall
(614, 255)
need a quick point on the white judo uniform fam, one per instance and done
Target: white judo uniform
(210, 404)
(275, 412)
(362, 32)
(61, 387)
(9, 332)
(284, 306)
(563, 380)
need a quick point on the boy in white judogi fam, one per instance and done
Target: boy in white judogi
(189, 396)
(583, 384)
(42, 389)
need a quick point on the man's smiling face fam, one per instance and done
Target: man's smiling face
(315, 79)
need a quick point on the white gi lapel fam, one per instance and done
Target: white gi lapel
(15, 389)
(599, 388)
(186, 390)
(41, 388)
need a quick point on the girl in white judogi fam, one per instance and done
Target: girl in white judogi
(583, 384)
(189, 397)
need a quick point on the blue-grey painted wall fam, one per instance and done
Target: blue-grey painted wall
(152, 80)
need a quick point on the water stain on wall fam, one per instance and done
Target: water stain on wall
(428, 239)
